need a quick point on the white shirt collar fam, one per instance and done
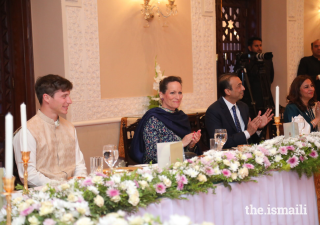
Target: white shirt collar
(229, 104)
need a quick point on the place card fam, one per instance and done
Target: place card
(168, 153)
(290, 129)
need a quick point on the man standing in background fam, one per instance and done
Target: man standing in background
(310, 65)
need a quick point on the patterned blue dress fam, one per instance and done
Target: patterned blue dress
(156, 132)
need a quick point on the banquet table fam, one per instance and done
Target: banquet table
(279, 192)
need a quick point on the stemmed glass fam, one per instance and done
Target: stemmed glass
(220, 137)
(110, 155)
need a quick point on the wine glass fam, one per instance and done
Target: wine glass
(110, 155)
(220, 137)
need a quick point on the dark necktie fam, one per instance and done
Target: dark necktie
(236, 121)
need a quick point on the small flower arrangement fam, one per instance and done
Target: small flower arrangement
(154, 101)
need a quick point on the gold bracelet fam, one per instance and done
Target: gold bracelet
(313, 123)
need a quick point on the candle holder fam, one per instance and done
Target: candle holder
(25, 161)
(277, 123)
(8, 186)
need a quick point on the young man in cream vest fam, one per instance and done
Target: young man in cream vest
(52, 140)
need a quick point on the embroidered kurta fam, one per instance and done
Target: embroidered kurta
(55, 152)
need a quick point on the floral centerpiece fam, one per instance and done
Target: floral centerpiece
(88, 199)
(154, 101)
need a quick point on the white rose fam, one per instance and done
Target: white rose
(177, 165)
(22, 206)
(65, 186)
(226, 162)
(135, 220)
(202, 178)
(259, 160)
(258, 153)
(116, 198)
(17, 200)
(234, 166)
(84, 221)
(197, 167)
(149, 177)
(81, 210)
(67, 218)
(134, 200)
(243, 172)
(97, 180)
(132, 191)
(20, 220)
(167, 182)
(277, 158)
(93, 189)
(72, 198)
(116, 178)
(46, 208)
(234, 176)
(45, 188)
(30, 201)
(33, 220)
(143, 184)
(98, 200)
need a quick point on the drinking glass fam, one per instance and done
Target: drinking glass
(213, 144)
(96, 164)
(110, 155)
(220, 137)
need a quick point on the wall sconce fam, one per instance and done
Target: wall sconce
(147, 10)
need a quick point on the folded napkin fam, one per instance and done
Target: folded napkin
(304, 126)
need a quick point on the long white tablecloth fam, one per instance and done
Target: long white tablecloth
(282, 189)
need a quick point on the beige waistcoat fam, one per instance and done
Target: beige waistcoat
(55, 156)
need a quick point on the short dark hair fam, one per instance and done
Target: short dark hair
(251, 40)
(313, 42)
(50, 84)
(224, 83)
(163, 85)
(294, 96)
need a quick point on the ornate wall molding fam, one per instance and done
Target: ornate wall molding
(84, 68)
(295, 40)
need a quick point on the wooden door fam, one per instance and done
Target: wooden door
(16, 64)
(236, 22)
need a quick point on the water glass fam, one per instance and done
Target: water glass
(110, 155)
(213, 144)
(220, 137)
(96, 164)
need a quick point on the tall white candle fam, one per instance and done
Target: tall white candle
(277, 101)
(24, 126)
(9, 151)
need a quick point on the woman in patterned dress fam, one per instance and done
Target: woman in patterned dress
(164, 124)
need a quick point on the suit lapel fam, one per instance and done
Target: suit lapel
(243, 114)
(227, 114)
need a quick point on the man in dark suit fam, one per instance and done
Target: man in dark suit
(233, 115)
(310, 65)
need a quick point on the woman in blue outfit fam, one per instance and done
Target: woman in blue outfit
(164, 124)
(303, 101)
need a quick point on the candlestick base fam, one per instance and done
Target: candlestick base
(25, 159)
(277, 123)
(8, 186)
